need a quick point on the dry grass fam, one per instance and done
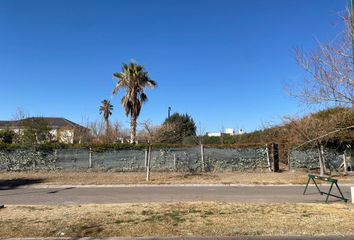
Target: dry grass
(97, 178)
(176, 219)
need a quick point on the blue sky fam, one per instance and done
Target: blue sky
(224, 62)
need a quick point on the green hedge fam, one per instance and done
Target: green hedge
(94, 147)
(116, 146)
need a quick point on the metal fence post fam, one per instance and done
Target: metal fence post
(202, 156)
(268, 160)
(174, 162)
(146, 158)
(148, 165)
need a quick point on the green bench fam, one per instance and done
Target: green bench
(330, 180)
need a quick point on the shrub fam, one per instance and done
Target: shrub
(6, 136)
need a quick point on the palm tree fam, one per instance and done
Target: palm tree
(133, 79)
(106, 108)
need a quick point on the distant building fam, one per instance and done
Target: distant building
(60, 129)
(240, 131)
(214, 134)
(228, 131)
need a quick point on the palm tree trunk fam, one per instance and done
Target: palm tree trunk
(107, 128)
(133, 129)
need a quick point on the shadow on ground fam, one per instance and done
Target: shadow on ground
(18, 182)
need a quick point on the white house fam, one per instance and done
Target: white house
(60, 129)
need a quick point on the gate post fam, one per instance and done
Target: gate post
(275, 157)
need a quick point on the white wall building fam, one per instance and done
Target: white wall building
(228, 131)
(214, 134)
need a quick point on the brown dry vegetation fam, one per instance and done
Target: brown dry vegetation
(108, 178)
(176, 219)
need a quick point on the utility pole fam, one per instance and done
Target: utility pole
(169, 112)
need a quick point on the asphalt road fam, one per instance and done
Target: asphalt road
(146, 194)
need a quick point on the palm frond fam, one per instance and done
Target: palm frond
(143, 98)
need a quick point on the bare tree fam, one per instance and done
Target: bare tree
(316, 130)
(329, 70)
(305, 130)
(20, 114)
(115, 131)
(97, 129)
(199, 135)
(83, 134)
(148, 132)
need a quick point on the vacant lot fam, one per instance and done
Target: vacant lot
(265, 177)
(176, 219)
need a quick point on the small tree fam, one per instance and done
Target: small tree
(6, 136)
(36, 131)
(177, 127)
(148, 132)
(306, 130)
(97, 130)
(116, 131)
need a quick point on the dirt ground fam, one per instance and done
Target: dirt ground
(98, 178)
(176, 219)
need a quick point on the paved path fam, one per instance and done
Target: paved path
(86, 195)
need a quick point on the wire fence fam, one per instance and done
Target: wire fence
(310, 159)
(187, 159)
(179, 159)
